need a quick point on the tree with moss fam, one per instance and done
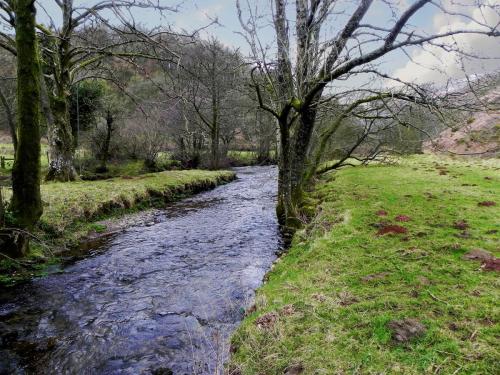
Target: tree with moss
(75, 50)
(324, 52)
(26, 203)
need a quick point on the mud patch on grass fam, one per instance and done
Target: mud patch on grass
(402, 218)
(406, 330)
(375, 276)
(267, 321)
(288, 310)
(392, 229)
(491, 265)
(294, 369)
(478, 254)
(487, 204)
(461, 224)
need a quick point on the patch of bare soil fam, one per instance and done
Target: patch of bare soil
(375, 276)
(488, 261)
(392, 229)
(288, 310)
(266, 321)
(491, 265)
(294, 369)
(461, 224)
(486, 204)
(346, 298)
(402, 218)
(478, 254)
(405, 330)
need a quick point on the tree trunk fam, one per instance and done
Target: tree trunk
(214, 139)
(107, 141)
(26, 203)
(10, 119)
(13, 243)
(300, 151)
(61, 149)
(60, 135)
(284, 208)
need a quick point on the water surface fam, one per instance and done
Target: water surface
(154, 298)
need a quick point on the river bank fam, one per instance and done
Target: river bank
(395, 273)
(79, 211)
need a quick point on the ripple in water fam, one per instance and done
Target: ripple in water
(160, 297)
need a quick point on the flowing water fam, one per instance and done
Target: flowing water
(156, 299)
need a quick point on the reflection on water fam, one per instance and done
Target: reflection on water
(160, 297)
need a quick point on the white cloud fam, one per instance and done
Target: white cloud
(434, 64)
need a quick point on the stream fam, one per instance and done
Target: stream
(161, 298)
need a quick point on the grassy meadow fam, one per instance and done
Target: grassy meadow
(383, 278)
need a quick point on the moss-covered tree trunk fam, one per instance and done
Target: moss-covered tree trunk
(285, 208)
(60, 135)
(26, 201)
(214, 146)
(107, 141)
(299, 154)
(61, 150)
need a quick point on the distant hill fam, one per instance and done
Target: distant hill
(479, 135)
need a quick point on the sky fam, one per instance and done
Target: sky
(430, 65)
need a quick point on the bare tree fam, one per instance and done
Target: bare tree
(67, 54)
(208, 81)
(318, 55)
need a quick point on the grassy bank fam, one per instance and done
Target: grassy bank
(71, 209)
(379, 281)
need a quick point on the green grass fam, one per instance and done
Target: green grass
(7, 150)
(115, 168)
(242, 157)
(68, 203)
(332, 321)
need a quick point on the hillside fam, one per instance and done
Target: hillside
(479, 135)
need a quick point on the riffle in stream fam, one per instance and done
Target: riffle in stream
(154, 299)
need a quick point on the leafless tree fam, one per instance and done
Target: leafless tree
(209, 80)
(67, 54)
(332, 54)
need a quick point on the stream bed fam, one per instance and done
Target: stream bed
(159, 298)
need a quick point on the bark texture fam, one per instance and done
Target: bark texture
(26, 201)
